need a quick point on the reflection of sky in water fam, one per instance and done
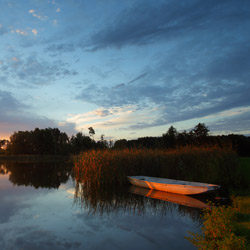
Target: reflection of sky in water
(48, 219)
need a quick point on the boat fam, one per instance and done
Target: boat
(170, 197)
(171, 185)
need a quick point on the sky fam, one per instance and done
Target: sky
(128, 69)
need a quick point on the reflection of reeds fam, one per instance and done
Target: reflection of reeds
(108, 201)
(110, 167)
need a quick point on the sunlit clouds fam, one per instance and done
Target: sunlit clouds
(34, 31)
(113, 121)
(21, 32)
(36, 15)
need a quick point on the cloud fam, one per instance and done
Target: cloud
(147, 23)
(32, 237)
(8, 103)
(34, 31)
(34, 70)
(39, 16)
(138, 78)
(115, 118)
(21, 32)
(182, 84)
(15, 117)
(236, 123)
(63, 47)
(2, 30)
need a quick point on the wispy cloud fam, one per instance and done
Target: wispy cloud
(116, 118)
(21, 32)
(39, 16)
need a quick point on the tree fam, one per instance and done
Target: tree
(201, 130)
(170, 138)
(91, 132)
(121, 144)
(3, 143)
(39, 141)
(102, 143)
(81, 142)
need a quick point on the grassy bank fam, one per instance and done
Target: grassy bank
(228, 227)
(225, 228)
(110, 167)
(242, 202)
(242, 218)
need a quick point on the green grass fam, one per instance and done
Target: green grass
(242, 202)
(244, 169)
(218, 231)
(228, 227)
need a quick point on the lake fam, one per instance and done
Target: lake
(43, 207)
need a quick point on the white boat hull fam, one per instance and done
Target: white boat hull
(172, 186)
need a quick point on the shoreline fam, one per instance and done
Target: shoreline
(33, 157)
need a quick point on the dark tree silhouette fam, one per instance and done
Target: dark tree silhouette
(170, 138)
(81, 142)
(200, 130)
(91, 132)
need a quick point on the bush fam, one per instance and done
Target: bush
(217, 232)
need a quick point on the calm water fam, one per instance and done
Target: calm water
(42, 207)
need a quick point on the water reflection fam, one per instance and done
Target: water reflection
(110, 199)
(171, 197)
(37, 174)
(47, 209)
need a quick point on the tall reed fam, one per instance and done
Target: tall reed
(110, 167)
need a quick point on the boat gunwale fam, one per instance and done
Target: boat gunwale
(178, 182)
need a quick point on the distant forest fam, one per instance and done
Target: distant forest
(51, 141)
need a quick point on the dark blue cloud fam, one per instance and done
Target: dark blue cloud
(15, 116)
(8, 103)
(3, 30)
(148, 22)
(232, 124)
(206, 71)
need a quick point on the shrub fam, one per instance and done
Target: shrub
(217, 231)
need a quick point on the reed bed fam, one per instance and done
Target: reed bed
(98, 168)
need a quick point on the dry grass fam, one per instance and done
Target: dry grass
(110, 167)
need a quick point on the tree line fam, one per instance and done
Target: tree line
(52, 141)
(198, 136)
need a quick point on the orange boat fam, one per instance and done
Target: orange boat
(171, 185)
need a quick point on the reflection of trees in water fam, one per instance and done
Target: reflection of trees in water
(38, 174)
(3, 169)
(118, 199)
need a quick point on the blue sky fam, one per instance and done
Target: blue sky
(127, 68)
